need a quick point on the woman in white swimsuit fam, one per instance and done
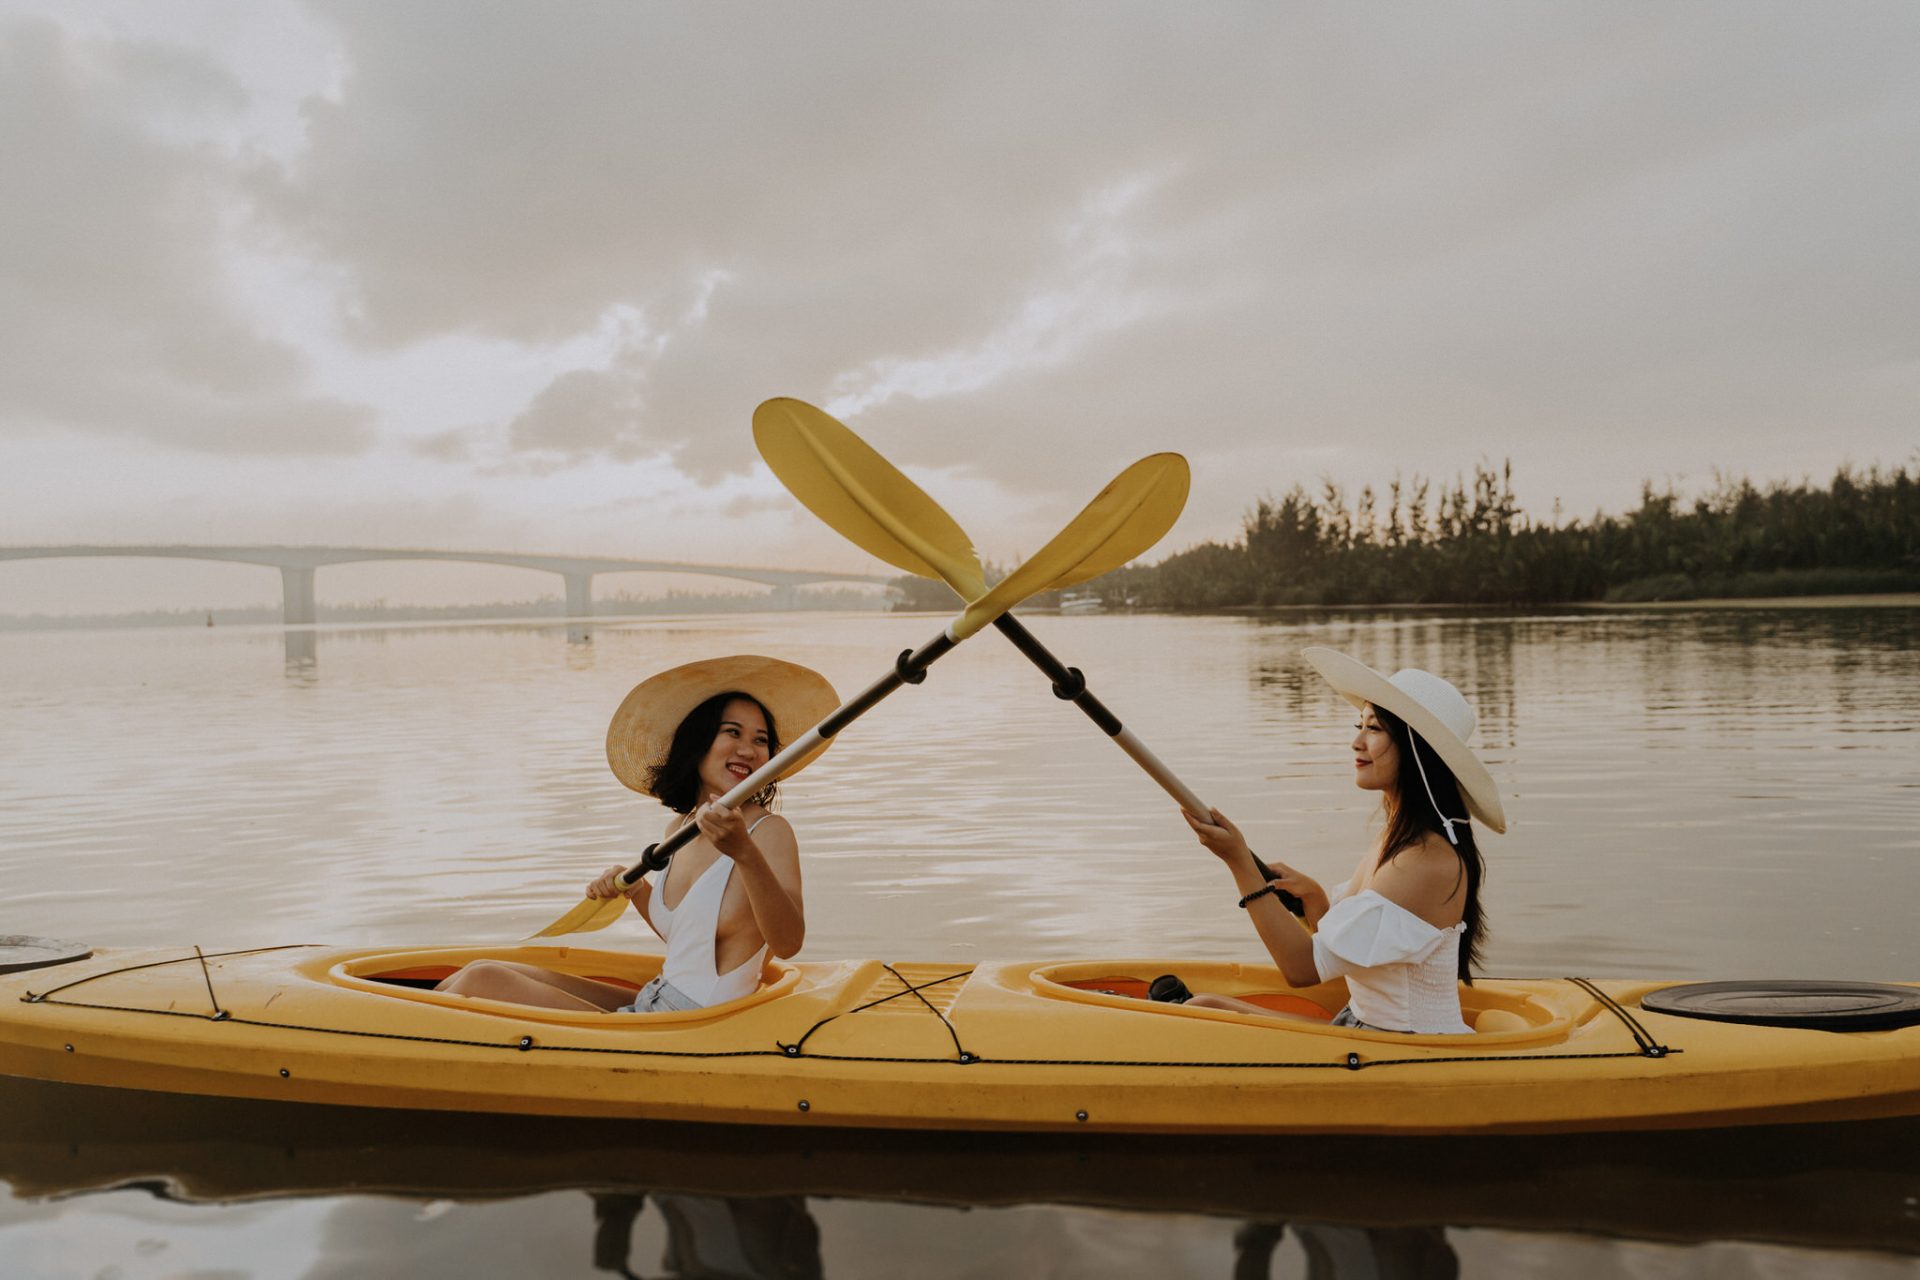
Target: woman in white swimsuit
(730, 897)
(1405, 929)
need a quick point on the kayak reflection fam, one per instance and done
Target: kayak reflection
(1834, 1187)
(712, 1237)
(1348, 1253)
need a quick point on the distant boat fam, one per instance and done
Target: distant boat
(1081, 602)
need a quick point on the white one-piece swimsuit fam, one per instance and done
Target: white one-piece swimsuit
(689, 933)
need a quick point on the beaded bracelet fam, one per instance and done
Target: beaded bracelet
(1270, 887)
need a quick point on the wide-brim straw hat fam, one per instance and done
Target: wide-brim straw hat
(798, 698)
(1432, 708)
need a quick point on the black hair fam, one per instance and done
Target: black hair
(675, 781)
(1412, 816)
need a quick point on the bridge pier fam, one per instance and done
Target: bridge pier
(579, 594)
(579, 606)
(296, 596)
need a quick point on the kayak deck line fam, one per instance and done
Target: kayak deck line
(527, 1044)
(1353, 1060)
(198, 954)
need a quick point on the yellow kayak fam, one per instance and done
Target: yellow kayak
(994, 1046)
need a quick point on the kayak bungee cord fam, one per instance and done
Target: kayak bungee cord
(41, 998)
(796, 1049)
(219, 1014)
(1641, 1036)
(1352, 1061)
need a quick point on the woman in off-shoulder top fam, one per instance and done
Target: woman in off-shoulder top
(1405, 929)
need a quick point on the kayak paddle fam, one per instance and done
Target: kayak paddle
(849, 485)
(1104, 530)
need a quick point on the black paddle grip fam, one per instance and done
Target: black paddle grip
(909, 668)
(1069, 684)
(1287, 900)
(657, 856)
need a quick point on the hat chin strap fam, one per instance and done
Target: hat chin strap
(1413, 744)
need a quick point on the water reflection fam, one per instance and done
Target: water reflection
(712, 1237)
(1335, 1252)
(1707, 794)
(302, 648)
(747, 1202)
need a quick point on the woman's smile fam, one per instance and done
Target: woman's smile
(1376, 760)
(739, 747)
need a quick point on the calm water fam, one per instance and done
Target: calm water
(1713, 794)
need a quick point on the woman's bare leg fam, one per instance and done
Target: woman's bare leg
(1207, 1000)
(530, 984)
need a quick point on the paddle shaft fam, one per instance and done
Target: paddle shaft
(909, 668)
(1070, 685)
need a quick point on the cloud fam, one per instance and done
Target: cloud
(111, 233)
(1016, 245)
(1010, 236)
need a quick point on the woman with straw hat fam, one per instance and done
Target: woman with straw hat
(686, 737)
(1405, 929)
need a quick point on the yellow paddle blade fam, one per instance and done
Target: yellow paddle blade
(1130, 514)
(591, 914)
(840, 478)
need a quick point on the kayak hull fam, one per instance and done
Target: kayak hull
(862, 1044)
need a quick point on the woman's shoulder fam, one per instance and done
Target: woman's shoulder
(1424, 877)
(766, 823)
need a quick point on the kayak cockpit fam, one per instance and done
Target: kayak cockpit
(1498, 1013)
(412, 975)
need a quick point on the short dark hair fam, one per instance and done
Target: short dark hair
(675, 781)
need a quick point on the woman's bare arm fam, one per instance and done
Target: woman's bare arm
(1285, 939)
(767, 864)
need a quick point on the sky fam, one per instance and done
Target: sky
(512, 276)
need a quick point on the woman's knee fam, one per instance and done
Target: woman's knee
(479, 977)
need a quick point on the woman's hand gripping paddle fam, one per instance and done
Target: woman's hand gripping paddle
(1085, 548)
(849, 485)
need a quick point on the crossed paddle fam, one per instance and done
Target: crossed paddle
(843, 480)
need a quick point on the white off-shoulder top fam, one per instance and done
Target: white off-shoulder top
(1402, 973)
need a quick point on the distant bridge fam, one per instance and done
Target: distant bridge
(297, 565)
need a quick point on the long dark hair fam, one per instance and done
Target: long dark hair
(1412, 816)
(675, 781)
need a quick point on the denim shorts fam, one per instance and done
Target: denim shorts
(660, 996)
(1346, 1018)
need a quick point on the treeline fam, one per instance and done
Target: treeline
(1468, 543)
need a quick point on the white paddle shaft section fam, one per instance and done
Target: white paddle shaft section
(1159, 772)
(741, 793)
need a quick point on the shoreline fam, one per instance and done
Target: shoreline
(1878, 600)
(1857, 600)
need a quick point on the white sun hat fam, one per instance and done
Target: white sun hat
(1432, 708)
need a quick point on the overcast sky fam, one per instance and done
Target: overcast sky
(514, 275)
